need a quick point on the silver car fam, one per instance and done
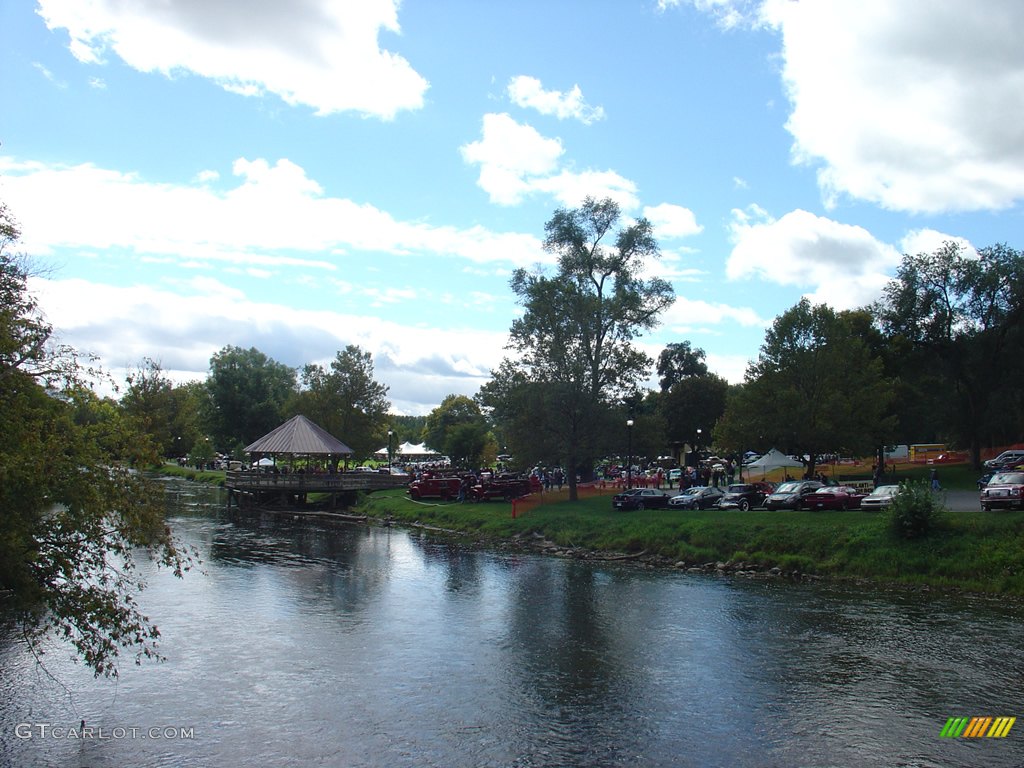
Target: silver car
(880, 498)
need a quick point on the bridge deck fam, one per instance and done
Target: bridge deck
(314, 482)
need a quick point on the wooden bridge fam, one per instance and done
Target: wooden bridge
(268, 488)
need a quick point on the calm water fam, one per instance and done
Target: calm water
(308, 645)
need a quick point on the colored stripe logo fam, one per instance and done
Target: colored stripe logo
(977, 727)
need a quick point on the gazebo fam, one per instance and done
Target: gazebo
(299, 437)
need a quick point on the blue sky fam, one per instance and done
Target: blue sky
(302, 176)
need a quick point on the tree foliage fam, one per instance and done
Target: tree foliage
(693, 402)
(347, 401)
(679, 361)
(574, 340)
(457, 428)
(247, 395)
(815, 388)
(168, 414)
(960, 323)
(72, 511)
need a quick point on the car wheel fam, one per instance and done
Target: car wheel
(986, 507)
(744, 505)
(640, 507)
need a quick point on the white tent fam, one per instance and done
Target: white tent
(410, 452)
(774, 459)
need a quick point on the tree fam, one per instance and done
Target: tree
(960, 321)
(458, 429)
(162, 411)
(816, 387)
(679, 361)
(72, 510)
(247, 395)
(347, 401)
(575, 337)
(694, 402)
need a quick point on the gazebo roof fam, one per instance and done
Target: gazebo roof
(299, 435)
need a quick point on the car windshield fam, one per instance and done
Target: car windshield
(791, 487)
(692, 491)
(1008, 478)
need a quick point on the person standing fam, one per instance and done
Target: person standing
(935, 479)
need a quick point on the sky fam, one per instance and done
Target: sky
(301, 176)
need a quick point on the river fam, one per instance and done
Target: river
(309, 644)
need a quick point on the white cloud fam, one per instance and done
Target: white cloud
(914, 106)
(840, 264)
(528, 92)
(688, 313)
(516, 161)
(421, 364)
(318, 53)
(274, 216)
(672, 221)
(929, 241)
(727, 13)
(510, 155)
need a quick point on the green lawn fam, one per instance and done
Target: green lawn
(975, 551)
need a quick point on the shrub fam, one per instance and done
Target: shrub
(914, 510)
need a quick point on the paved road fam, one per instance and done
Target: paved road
(963, 501)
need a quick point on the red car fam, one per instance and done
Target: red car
(506, 488)
(435, 488)
(1005, 489)
(834, 497)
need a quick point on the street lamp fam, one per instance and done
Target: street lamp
(390, 433)
(629, 458)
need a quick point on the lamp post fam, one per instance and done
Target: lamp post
(696, 454)
(390, 433)
(629, 457)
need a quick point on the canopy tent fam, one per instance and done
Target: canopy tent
(299, 437)
(774, 459)
(410, 452)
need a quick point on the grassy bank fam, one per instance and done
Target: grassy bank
(974, 551)
(214, 477)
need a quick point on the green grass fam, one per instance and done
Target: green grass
(215, 477)
(974, 551)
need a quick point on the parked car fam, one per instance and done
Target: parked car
(435, 488)
(1006, 460)
(1004, 490)
(697, 497)
(640, 498)
(745, 495)
(834, 497)
(506, 488)
(880, 498)
(790, 495)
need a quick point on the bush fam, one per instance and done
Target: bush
(914, 510)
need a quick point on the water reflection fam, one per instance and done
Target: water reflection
(302, 643)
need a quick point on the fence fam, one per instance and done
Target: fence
(553, 496)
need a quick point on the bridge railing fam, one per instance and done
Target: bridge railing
(313, 481)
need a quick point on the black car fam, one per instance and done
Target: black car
(745, 496)
(790, 495)
(697, 497)
(640, 498)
